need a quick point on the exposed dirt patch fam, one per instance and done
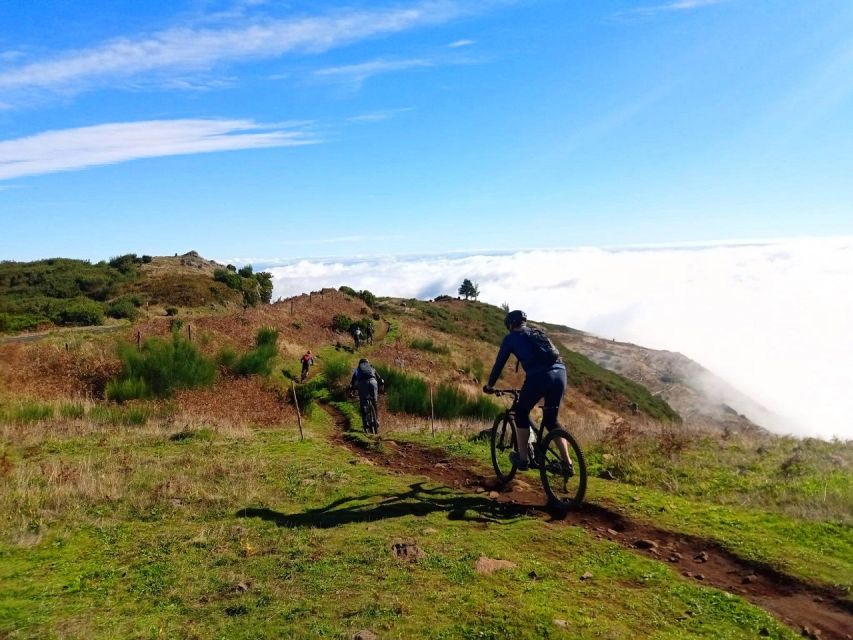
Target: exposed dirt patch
(240, 401)
(490, 565)
(406, 550)
(797, 603)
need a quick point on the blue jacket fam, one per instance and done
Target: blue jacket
(517, 344)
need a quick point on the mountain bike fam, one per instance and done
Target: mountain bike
(369, 413)
(565, 485)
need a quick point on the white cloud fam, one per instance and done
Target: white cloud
(677, 5)
(201, 48)
(70, 149)
(358, 73)
(772, 318)
(461, 43)
(378, 116)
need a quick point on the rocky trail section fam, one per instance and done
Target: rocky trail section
(816, 612)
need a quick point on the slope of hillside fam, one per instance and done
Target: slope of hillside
(206, 514)
(697, 394)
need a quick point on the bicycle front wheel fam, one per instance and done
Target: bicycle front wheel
(502, 444)
(372, 419)
(565, 485)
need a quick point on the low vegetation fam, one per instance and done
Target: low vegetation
(410, 394)
(256, 288)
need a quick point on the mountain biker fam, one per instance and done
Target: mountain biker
(368, 332)
(355, 330)
(545, 377)
(367, 380)
(307, 360)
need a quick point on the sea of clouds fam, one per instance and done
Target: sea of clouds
(774, 319)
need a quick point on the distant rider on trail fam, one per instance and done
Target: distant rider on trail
(545, 377)
(355, 330)
(307, 360)
(367, 380)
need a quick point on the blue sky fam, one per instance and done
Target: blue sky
(260, 129)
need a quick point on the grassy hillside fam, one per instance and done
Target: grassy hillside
(199, 512)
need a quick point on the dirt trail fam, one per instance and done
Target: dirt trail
(814, 611)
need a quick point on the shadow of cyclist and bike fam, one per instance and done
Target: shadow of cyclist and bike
(419, 500)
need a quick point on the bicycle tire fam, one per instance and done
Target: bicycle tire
(502, 443)
(564, 490)
(372, 425)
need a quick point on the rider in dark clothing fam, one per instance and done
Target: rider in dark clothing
(545, 378)
(367, 380)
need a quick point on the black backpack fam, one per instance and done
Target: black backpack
(544, 351)
(365, 371)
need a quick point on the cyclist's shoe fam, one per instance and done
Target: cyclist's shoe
(517, 462)
(568, 469)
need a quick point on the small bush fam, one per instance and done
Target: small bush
(72, 411)
(368, 298)
(341, 322)
(348, 291)
(146, 259)
(229, 278)
(159, 368)
(127, 416)
(171, 311)
(123, 308)
(337, 369)
(246, 272)
(258, 361)
(80, 312)
(427, 344)
(28, 412)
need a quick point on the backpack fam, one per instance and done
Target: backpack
(544, 351)
(365, 371)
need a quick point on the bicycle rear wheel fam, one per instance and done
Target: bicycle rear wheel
(372, 423)
(502, 444)
(565, 486)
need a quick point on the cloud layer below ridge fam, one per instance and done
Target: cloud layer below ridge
(770, 318)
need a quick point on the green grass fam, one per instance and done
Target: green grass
(26, 411)
(427, 344)
(816, 551)
(266, 536)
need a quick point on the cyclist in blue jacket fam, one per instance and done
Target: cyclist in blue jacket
(545, 377)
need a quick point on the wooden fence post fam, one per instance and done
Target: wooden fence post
(298, 415)
(291, 306)
(190, 332)
(138, 340)
(432, 411)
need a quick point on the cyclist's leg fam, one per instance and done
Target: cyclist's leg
(531, 391)
(553, 396)
(374, 392)
(362, 405)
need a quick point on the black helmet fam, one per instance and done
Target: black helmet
(364, 361)
(514, 319)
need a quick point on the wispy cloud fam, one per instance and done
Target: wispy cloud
(358, 73)
(71, 149)
(378, 116)
(676, 5)
(192, 48)
(461, 43)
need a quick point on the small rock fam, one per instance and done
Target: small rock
(490, 565)
(635, 498)
(674, 557)
(702, 556)
(808, 632)
(560, 623)
(607, 475)
(479, 490)
(533, 575)
(613, 532)
(586, 576)
(682, 618)
(687, 574)
(494, 495)
(243, 587)
(749, 579)
(818, 599)
(364, 634)
(698, 576)
(645, 543)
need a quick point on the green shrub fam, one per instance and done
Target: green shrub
(226, 358)
(127, 416)
(258, 361)
(427, 344)
(407, 393)
(337, 369)
(125, 264)
(229, 277)
(146, 259)
(159, 368)
(171, 311)
(341, 322)
(80, 312)
(123, 308)
(368, 298)
(30, 412)
(348, 291)
(72, 410)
